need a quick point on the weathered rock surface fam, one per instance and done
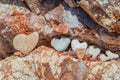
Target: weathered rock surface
(98, 36)
(104, 12)
(34, 5)
(16, 20)
(46, 64)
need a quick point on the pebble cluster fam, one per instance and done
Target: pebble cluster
(81, 49)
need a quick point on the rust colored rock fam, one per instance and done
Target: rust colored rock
(106, 13)
(16, 20)
(76, 28)
(5, 48)
(103, 70)
(45, 63)
(34, 5)
(80, 53)
(61, 14)
(71, 3)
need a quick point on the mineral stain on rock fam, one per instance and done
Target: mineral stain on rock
(92, 57)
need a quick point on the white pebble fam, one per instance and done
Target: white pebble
(93, 51)
(75, 44)
(60, 44)
(103, 57)
(111, 55)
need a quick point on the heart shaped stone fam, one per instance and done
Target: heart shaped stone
(103, 57)
(60, 44)
(111, 55)
(80, 53)
(75, 44)
(25, 43)
(93, 51)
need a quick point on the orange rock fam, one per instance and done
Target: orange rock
(87, 57)
(80, 53)
(55, 66)
(61, 28)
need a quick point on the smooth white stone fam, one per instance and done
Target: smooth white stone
(60, 44)
(75, 44)
(93, 51)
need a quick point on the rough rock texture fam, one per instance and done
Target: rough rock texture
(15, 20)
(103, 70)
(75, 20)
(34, 5)
(47, 64)
(44, 63)
(64, 15)
(104, 12)
(14, 2)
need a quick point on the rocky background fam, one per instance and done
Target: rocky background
(77, 40)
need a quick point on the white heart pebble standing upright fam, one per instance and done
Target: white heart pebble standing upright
(75, 44)
(60, 44)
(93, 51)
(111, 55)
(103, 57)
